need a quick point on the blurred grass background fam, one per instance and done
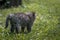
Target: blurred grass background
(46, 25)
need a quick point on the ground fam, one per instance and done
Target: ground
(46, 25)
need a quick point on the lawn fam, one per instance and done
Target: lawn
(46, 25)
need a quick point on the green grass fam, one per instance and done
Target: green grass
(46, 25)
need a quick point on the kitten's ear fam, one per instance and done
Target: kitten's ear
(33, 13)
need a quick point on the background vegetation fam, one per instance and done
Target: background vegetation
(46, 25)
